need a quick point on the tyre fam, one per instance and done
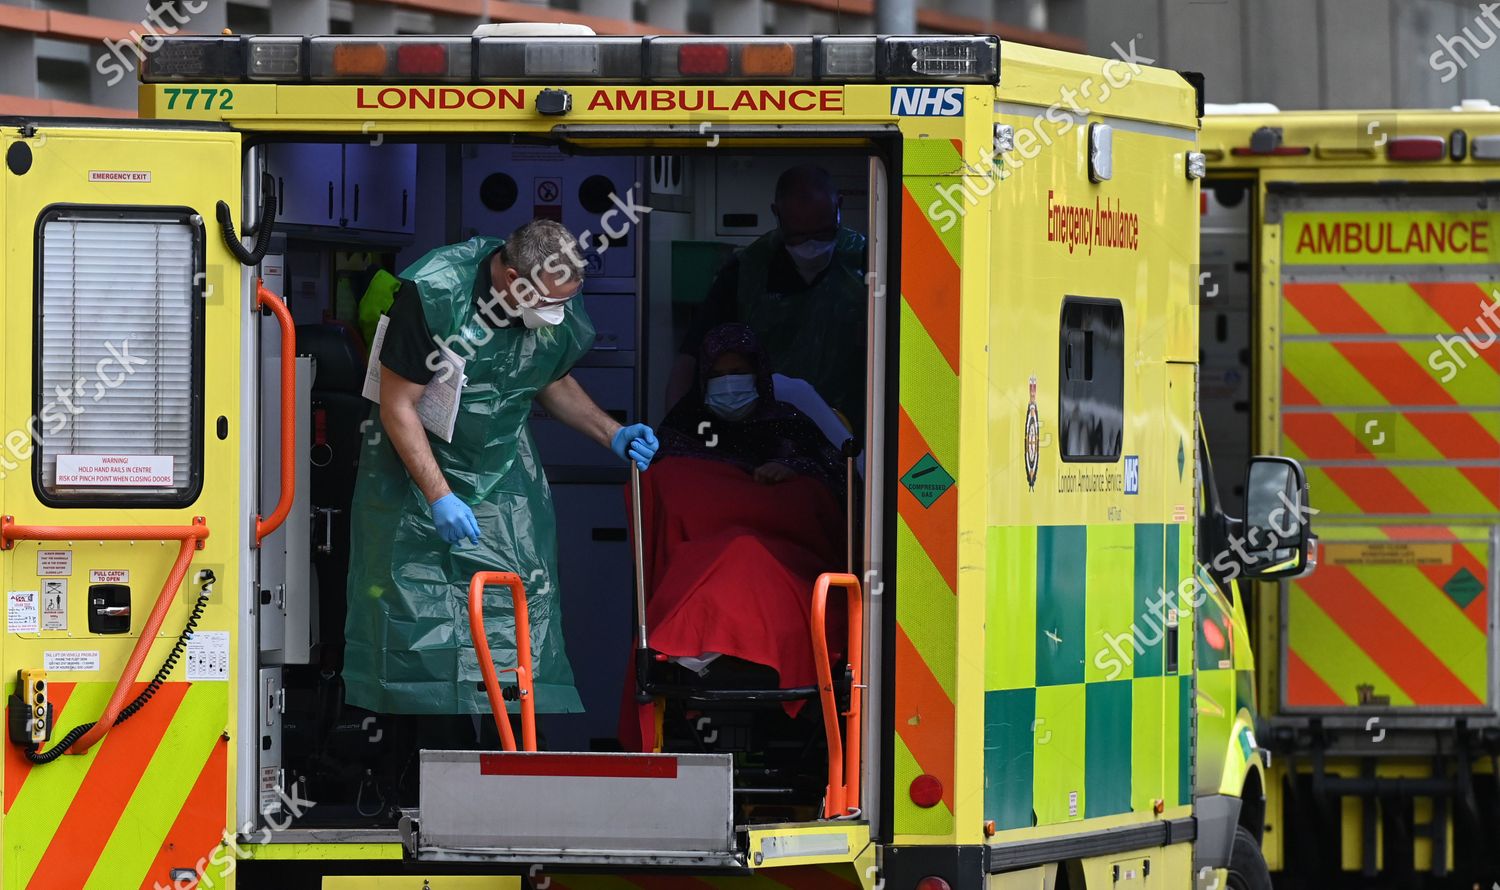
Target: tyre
(1247, 865)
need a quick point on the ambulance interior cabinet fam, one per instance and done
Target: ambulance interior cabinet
(367, 188)
(309, 180)
(380, 183)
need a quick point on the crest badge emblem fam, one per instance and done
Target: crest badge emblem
(1033, 438)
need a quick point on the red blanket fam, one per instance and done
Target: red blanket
(730, 567)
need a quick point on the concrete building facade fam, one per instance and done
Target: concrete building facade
(1303, 54)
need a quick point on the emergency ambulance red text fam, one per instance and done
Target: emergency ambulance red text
(1105, 224)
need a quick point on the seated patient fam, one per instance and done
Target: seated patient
(742, 510)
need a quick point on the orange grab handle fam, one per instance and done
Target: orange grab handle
(267, 524)
(843, 754)
(523, 658)
(191, 536)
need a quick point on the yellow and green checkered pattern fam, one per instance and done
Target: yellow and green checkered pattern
(1090, 715)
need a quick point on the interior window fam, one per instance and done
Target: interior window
(1091, 397)
(118, 388)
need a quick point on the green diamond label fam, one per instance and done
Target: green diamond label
(927, 480)
(1463, 587)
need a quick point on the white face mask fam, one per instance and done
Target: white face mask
(810, 257)
(732, 396)
(545, 317)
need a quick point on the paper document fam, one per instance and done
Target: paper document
(438, 407)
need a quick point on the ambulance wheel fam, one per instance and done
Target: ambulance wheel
(1247, 865)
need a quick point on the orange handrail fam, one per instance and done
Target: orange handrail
(265, 299)
(523, 658)
(191, 536)
(842, 797)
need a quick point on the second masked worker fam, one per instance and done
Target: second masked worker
(429, 514)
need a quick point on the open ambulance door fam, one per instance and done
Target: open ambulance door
(124, 517)
(529, 808)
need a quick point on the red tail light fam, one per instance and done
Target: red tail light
(1417, 148)
(926, 791)
(422, 58)
(703, 58)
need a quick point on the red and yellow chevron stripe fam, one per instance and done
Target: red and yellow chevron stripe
(1398, 617)
(151, 797)
(1375, 406)
(1394, 417)
(927, 529)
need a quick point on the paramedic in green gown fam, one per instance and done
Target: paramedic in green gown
(801, 288)
(428, 514)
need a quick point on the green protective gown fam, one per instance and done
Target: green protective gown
(407, 644)
(817, 334)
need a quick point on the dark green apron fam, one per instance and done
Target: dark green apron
(407, 643)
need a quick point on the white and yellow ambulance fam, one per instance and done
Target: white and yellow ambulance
(175, 511)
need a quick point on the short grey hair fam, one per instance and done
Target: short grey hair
(545, 252)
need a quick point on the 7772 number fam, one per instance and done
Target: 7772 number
(190, 95)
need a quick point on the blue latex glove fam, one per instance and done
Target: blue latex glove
(635, 442)
(454, 520)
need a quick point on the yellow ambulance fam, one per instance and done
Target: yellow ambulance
(1037, 688)
(1349, 278)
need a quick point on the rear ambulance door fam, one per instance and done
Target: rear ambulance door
(1381, 304)
(117, 291)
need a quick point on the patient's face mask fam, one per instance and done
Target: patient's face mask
(731, 396)
(543, 316)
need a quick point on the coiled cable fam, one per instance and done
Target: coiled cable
(151, 689)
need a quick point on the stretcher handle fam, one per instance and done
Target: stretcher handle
(523, 658)
(640, 560)
(264, 525)
(191, 536)
(842, 796)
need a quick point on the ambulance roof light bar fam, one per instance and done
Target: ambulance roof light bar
(561, 58)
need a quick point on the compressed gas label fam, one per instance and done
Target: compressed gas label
(21, 613)
(109, 576)
(114, 470)
(54, 562)
(54, 604)
(208, 655)
(76, 660)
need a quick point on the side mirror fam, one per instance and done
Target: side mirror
(1278, 538)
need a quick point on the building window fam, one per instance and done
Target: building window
(1091, 393)
(119, 357)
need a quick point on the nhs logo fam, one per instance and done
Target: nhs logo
(927, 101)
(1132, 474)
